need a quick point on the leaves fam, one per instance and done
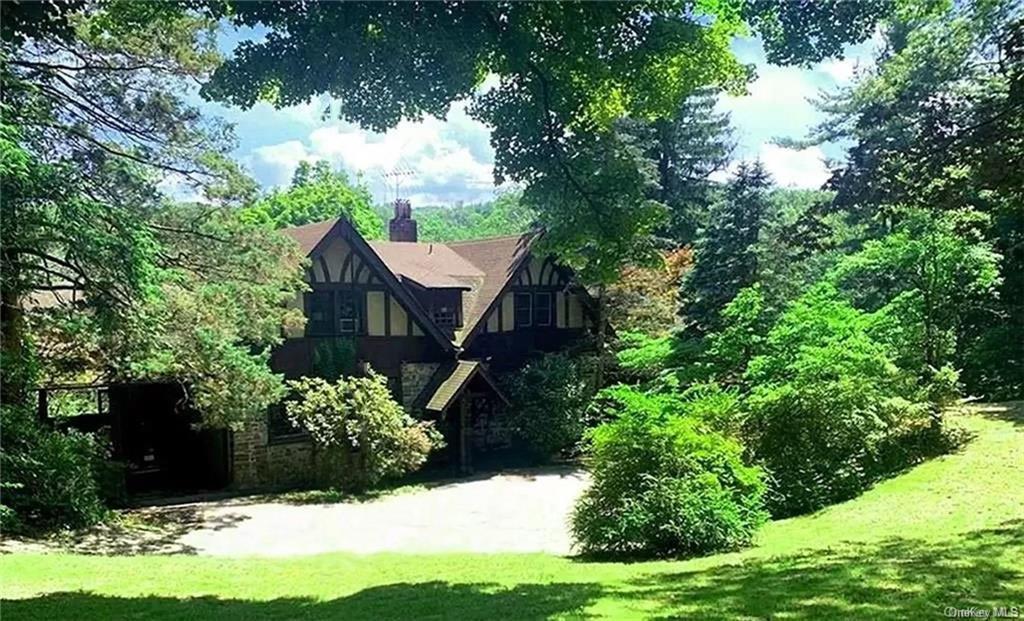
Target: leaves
(318, 193)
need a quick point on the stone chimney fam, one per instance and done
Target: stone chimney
(402, 228)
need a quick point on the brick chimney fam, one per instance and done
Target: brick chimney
(402, 228)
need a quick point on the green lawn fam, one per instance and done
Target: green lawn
(948, 533)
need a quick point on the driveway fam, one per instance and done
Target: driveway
(522, 511)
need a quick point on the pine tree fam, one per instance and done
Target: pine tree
(689, 148)
(726, 260)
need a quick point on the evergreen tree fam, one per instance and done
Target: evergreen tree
(689, 147)
(726, 257)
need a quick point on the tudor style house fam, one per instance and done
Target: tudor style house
(436, 319)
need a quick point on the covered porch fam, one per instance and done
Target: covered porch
(469, 406)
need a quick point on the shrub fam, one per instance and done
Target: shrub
(549, 400)
(829, 412)
(720, 408)
(361, 434)
(50, 478)
(663, 484)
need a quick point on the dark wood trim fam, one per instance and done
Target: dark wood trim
(387, 313)
(513, 275)
(327, 271)
(501, 312)
(346, 268)
(359, 272)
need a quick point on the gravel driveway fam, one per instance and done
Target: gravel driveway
(522, 511)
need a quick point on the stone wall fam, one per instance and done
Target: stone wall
(415, 377)
(259, 463)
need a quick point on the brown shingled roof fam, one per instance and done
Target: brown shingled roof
(309, 235)
(481, 268)
(451, 379)
(498, 258)
(431, 265)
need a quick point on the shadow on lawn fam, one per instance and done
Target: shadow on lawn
(1009, 411)
(897, 578)
(157, 530)
(428, 600)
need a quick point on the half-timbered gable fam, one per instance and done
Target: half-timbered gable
(433, 318)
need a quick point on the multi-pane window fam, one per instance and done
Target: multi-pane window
(334, 312)
(542, 309)
(444, 317)
(348, 311)
(320, 309)
(280, 427)
(524, 309)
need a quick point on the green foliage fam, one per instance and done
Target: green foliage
(566, 75)
(361, 434)
(799, 242)
(334, 358)
(718, 407)
(645, 297)
(726, 260)
(665, 485)
(936, 127)
(825, 399)
(926, 277)
(505, 215)
(133, 287)
(215, 316)
(549, 400)
(318, 193)
(644, 357)
(687, 147)
(50, 478)
(741, 337)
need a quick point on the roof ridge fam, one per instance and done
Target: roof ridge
(308, 224)
(487, 239)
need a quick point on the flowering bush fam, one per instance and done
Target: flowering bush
(362, 435)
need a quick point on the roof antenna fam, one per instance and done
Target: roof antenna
(396, 175)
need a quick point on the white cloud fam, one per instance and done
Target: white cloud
(842, 71)
(791, 168)
(804, 168)
(448, 160)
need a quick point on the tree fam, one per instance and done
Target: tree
(318, 193)
(925, 279)
(938, 126)
(103, 278)
(505, 215)
(645, 299)
(566, 73)
(689, 147)
(361, 433)
(725, 256)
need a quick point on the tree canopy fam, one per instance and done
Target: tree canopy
(318, 193)
(565, 72)
(104, 276)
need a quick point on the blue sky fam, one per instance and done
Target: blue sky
(451, 158)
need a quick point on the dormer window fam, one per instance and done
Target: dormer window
(444, 317)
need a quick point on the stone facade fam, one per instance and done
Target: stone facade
(260, 463)
(415, 377)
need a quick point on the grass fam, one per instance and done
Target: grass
(947, 533)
